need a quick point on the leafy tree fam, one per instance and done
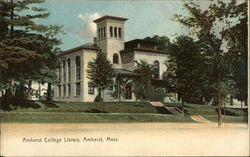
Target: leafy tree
(203, 25)
(26, 47)
(144, 90)
(184, 69)
(101, 73)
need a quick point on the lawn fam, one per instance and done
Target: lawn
(227, 119)
(87, 107)
(92, 112)
(196, 109)
(35, 117)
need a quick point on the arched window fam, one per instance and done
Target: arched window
(99, 33)
(111, 31)
(78, 68)
(115, 32)
(64, 71)
(69, 71)
(115, 59)
(104, 32)
(60, 75)
(156, 70)
(120, 32)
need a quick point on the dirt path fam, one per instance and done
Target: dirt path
(134, 139)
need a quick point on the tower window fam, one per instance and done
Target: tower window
(111, 31)
(115, 59)
(115, 31)
(156, 70)
(78, 68)
(120, 32)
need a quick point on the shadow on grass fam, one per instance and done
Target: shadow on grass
(91, 110)
(17, 103)
(49, 104)
(162, 110)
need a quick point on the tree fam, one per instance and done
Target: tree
(26, 47)
(144, 90)
(203, 25)
(101, 73)
(184, 69)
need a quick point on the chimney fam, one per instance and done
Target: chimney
(95, 40)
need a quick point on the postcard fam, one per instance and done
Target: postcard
(124, 78)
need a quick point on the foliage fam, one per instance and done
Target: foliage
(28, 50)
(143, 88)
(184, 68)
(100, 72)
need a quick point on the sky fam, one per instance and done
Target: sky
(145, 18)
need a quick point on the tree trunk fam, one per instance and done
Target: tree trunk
(29, 93)
(218, 100)
(241, 115)
(12, 17)
(49, 96)
(39, 91)
(182, 106)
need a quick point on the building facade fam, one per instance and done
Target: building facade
(73, 83)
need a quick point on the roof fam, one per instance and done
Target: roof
(110, 17)
(143, 50)
(142, 41)
(125, 72)
(87, 46)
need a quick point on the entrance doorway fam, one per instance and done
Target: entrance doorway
(128, 93)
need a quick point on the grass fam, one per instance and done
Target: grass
(89, 118)
(25, 111)
(196, 109)
(90, 107)
(227, 119)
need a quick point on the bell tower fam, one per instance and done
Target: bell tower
(110, 37)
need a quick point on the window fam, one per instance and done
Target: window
(111, 88)
(99, 33)
(120, 32)
(60, 75)
(115, 31)
(64, 90)
(115, 59)
(78, 88)
(69, 90)
(59, 91)
(78, 68)
(64, 71)
(104, 32)
(156, 70)
(69, 71)
(111, 31)
(91, 88)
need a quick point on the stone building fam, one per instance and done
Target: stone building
(73, 82)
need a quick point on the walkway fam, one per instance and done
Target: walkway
(177, 111)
